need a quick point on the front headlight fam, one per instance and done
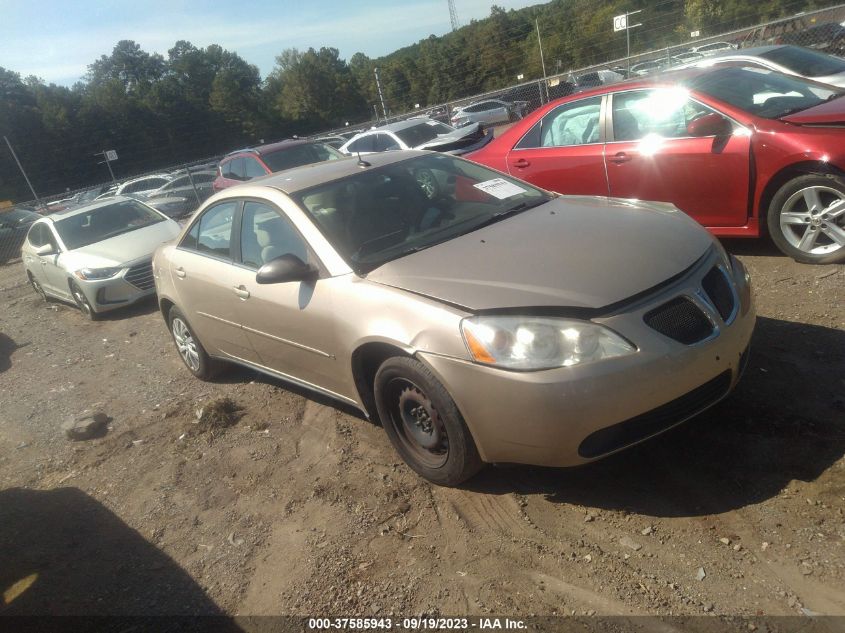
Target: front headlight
(531, 343)
(94, 274)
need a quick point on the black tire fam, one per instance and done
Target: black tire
(423, 423)
(82, 303)
(37, 287)
(191, 351)
(791, 219)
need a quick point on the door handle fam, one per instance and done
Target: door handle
(521, 163)
(180, 272)
(241, 291)
(619, 158)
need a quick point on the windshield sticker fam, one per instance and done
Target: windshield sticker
(500, 188)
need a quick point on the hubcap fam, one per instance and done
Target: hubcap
(417, 423)
(185, 344)
(812, 220)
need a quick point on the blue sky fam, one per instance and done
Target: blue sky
(57, 39)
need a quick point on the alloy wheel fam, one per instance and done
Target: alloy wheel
(185, 344)
(812, 220)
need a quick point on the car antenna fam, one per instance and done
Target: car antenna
(362, 162)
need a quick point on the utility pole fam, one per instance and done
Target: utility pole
(380, 95)
(25, 177)
(542, 61)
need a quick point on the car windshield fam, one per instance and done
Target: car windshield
(18, 216)
(762, 92)
(423, 133)
(102, 223)
(298, 155)
(805, 61)
(386, 212)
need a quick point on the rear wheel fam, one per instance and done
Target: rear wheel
(423, 423)
(82, 302)
(193, 354)
(807, 219)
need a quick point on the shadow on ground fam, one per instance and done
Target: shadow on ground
(785, 421)
(66, 554)
(7, 348)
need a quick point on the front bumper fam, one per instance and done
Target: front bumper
(133, 283)
(573, 415)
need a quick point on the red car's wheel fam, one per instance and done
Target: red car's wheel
(807, 219)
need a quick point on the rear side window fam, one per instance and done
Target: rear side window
(252, 169)
(234, 169)
(364, 144)
(211, 234)
(385, 143)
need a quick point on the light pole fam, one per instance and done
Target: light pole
(542, 61)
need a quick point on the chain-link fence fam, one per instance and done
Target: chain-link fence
(820, 30)
(176, 191)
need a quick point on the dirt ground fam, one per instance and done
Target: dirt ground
(302, 507)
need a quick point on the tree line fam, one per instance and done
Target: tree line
(159, 111)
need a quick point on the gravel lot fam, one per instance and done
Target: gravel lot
(302, 507)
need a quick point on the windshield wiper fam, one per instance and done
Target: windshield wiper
(368, 246)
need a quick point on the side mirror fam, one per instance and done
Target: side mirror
(713, 124)
(44, 250)
(284, 269)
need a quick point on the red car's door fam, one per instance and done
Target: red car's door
(563, 151)
(653, 153)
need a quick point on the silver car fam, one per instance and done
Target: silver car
(414, 134)
(496, 323)
(488, 112)
(97, 256)
(789, 60)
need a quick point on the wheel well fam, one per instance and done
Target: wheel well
(165, 305)
(788, 173)
(365, 363)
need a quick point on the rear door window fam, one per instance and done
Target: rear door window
(252, 168)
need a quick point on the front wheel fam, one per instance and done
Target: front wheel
(423, 423)
(82, 302)
(807, 219)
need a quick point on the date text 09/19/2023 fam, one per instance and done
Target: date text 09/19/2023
(415, 623)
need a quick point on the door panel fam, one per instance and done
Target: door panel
(563, 152)
(290, 325)
(654, 158)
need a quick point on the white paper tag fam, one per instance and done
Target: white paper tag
(500, 188)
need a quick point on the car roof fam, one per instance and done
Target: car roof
(269, 148)
(753, 52)
(403, 125)
(298, 179)
(61, 215)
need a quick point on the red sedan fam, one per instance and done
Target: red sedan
(741, 149)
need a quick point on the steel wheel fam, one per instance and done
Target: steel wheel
(185, 344)
(427, 182)
(812, 220)
(417, 423)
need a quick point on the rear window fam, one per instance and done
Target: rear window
(805, 62)
(298, 155)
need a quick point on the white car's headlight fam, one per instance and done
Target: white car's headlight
(531, 343)
(94, 274)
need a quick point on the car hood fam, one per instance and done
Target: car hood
(827, 112)
(126, 248)
(469, 133)
(578, 252)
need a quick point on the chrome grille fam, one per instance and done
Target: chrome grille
(680, 319)
(141, 276)
(718, 288)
